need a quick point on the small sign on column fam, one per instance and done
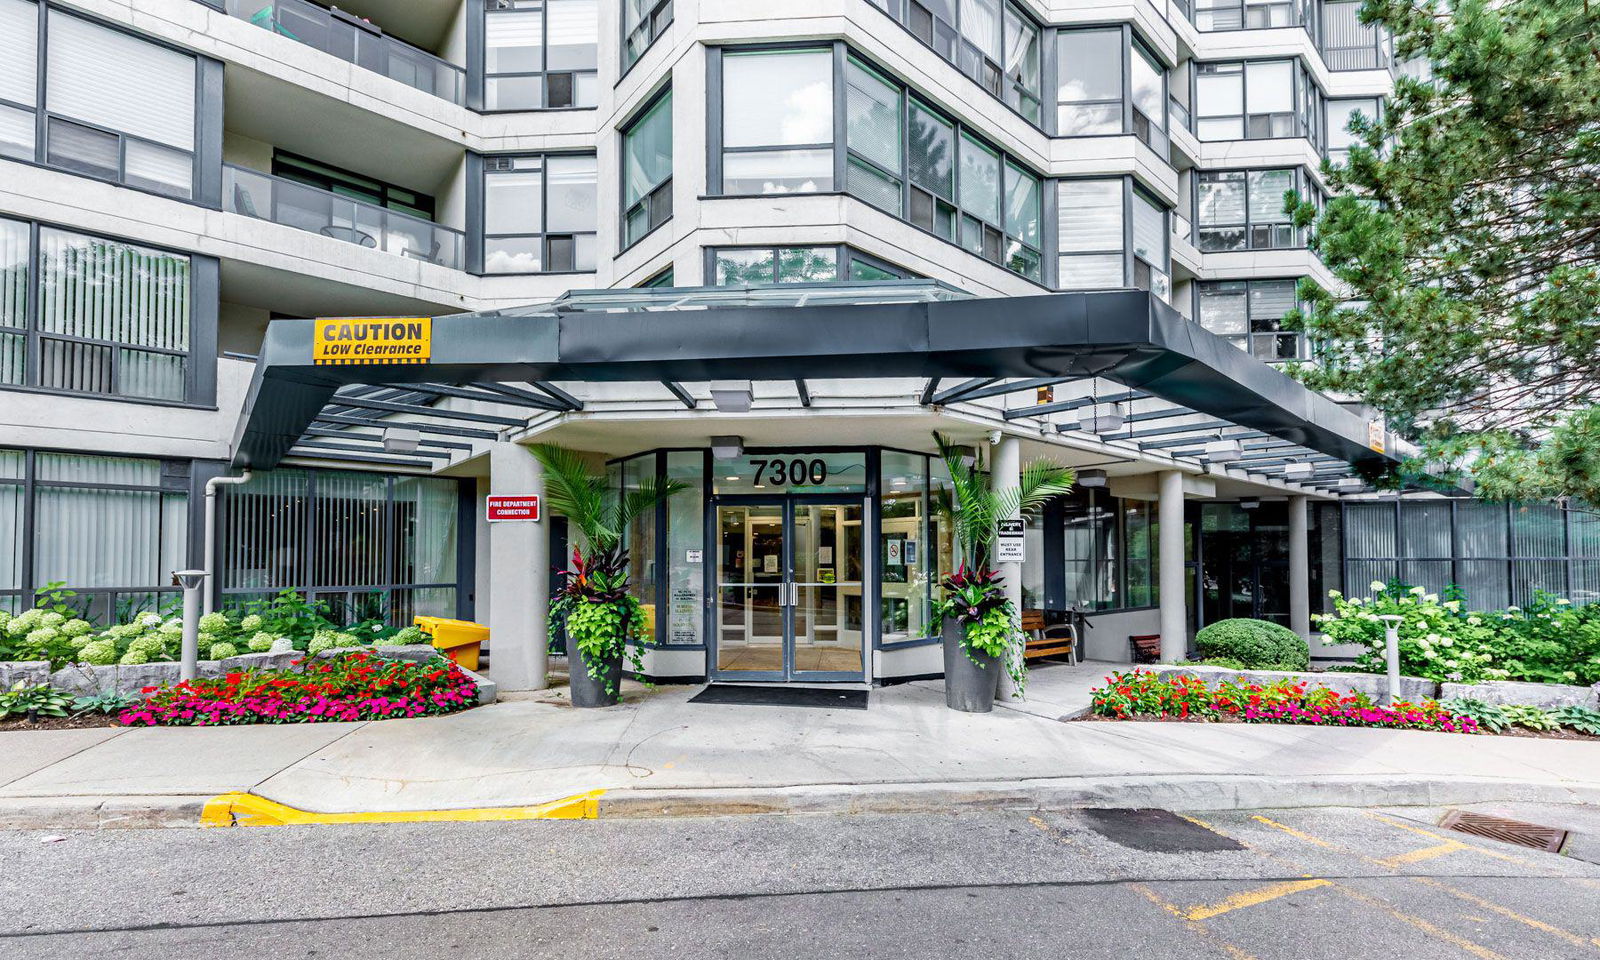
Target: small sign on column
(1009, 545)
(501, 507)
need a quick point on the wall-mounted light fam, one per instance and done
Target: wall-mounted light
(400, 439)
(731, 396)
(1249, 503)
(727, 447)
(1224, 451)
(1092, 478)
(1103, 418)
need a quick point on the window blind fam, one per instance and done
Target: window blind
(19, 38)
(114, 80)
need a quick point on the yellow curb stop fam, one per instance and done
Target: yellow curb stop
(249, 810)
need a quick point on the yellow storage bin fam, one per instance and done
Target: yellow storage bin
(460, 640)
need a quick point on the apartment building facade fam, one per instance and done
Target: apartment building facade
(177, 175)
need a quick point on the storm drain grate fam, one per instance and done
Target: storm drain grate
(1506, 831)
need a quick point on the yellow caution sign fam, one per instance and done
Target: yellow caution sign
(343, 340)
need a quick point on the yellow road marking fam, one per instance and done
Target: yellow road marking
(1567, 935)
(1196, 927)
(1250, 898)
(1426, 853)
(1486, 851)
(1477, 950)
(249, 810)
(1391, 864)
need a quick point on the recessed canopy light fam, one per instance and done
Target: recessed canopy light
(730, 478)
(1224, 451)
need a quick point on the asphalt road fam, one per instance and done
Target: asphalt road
(1298, 884)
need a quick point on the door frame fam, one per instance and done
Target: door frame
(789, 674)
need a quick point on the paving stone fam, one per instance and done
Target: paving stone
(259, 661)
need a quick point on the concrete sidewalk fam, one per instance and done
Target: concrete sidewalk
(657, 754)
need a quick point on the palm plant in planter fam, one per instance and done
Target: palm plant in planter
(979, 623)
(599, 614)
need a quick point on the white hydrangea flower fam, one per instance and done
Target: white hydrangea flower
(1375, 586)
(150, 620)
(1475, 621)
(1447, 641)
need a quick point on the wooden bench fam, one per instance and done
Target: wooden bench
(1047, 642)
(1146, 647)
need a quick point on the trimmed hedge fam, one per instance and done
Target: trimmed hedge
(1257, 644)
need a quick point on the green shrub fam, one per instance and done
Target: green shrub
(1581, 719)
(1226, 663)
(1534, 718)
(1257, 644)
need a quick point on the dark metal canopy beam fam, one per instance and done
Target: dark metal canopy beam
(417, 411)
(805, 392)
(358, 458)
(961, 390)
(433, 428)
(315, 431)
(928, 390)
(1123, 336)
(1182, 441)
(487, 396)
(683, 395)
(351, 448)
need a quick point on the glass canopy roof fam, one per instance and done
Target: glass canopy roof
(757, 295)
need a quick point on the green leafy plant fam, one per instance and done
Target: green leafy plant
(1226, 663)
(1256, 643)
(598, 612)
(1490, 716)
(107, 702)
(56, 597)
(1581, 719)
(977, 600)
(288, 615)
(34, 700)
(1534, 718)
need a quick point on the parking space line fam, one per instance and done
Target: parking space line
(1592, 943)
(1417, 856)
(1486, 851)
(1250, 898)
(1195, 926)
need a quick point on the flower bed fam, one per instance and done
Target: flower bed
(1139, 694)
(353, 686)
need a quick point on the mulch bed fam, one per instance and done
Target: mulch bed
(1565, 733)
(80, 722)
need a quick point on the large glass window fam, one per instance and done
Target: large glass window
(1256, 100)
(993, 42)
(647, 171)
(347, 183)
(1249, 314)
(1347, 43)
(777, 121)
(367, 544)
(1244, 210)
(111, 528)
(1109, 551)
(106, 317)
(116, 106)
(908, 564)
(1149, 95)
(642, 22)
(737, 266)
(540, 54)
(1151, 266)
(872, 137)
(1089, 92)
(1212, 15)
(1090, 233)
(538, 214)
(1340, 113)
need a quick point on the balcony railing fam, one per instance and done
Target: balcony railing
(254, 194)
(355, 41)
(1182, 228)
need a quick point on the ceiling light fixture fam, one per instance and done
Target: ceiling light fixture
(731, 396)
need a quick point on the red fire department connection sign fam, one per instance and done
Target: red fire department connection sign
(512, 507)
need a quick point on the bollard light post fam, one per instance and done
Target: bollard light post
(191, 581)
(1391, 654)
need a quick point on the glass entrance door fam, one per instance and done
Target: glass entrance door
(789, 590)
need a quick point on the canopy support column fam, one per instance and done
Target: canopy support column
(1174, 598)
(1299, 569)
(519, 575)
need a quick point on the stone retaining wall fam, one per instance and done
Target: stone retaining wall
(1547, 695)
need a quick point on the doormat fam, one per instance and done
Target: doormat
(781, 695)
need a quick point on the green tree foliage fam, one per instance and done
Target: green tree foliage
(1465, 225)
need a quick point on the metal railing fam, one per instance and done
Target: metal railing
(356, 41)
(1182, 228)
(265, 197)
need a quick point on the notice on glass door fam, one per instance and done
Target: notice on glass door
(769, 563)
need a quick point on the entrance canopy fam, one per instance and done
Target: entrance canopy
(971, 347)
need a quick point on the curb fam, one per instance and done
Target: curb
(1187, 792)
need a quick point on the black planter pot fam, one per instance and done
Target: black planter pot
(969, 687)
(586, 690)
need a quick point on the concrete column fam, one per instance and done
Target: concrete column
(1299, 569)
(1174, 587)
(519, 576)
(1005, 473)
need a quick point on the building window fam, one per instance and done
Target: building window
(106, 317)
(1347, 43)
(1249, 314)
(1109, 551)
(116, 107)
(1090, 234)
(1149, 234)
(111, 528)
(643, 22)
(1089, 95)
(873, 136)
(647, 171)
(1215, 15)
(738, 266)
(777, 121)
(540, 54)
(345, 183)
(1149, 95)
(663, 279)
(539, 214)
(1244, 209)
(1340, 113)
(367, 544)
(1256, 100)
(994, 43)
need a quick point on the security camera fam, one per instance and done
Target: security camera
(994, 438)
